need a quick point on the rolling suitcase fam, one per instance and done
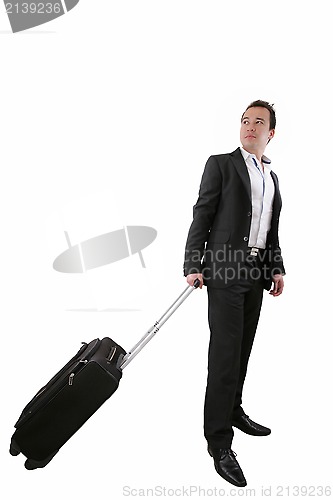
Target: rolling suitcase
(75, 393)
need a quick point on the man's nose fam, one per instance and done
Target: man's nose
(251, 127)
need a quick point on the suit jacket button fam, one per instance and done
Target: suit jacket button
(246, 238)
(249, 214)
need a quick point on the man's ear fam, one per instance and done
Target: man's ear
(271, 135)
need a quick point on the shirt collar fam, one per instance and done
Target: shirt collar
(246, 154)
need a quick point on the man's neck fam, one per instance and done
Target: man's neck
(258, 154)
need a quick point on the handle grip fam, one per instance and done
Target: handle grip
(196, 283)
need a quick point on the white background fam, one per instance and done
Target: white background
(108, 115)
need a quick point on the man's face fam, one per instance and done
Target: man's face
(255, 132)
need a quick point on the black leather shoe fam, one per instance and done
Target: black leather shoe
(245, 424)
(227, 466)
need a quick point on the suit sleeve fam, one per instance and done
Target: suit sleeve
(276, 260)
(277, 266)
(203, 216)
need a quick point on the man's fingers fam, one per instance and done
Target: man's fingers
(278, 287)
(190, 278)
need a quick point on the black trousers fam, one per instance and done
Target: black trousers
(233, 315)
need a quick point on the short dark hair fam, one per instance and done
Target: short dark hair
(264, 104)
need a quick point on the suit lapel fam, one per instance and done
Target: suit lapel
(241, 168)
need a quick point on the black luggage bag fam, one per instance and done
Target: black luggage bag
(61, 407)
(75, 393)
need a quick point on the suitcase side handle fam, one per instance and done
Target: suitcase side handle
(157, 325)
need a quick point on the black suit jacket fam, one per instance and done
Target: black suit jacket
(218, 237)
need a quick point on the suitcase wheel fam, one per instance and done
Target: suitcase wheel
(28, 464)
(14, 449)
(32, 464)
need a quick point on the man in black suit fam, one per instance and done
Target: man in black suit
(233, 249)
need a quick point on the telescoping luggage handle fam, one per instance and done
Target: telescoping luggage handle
(157, 325)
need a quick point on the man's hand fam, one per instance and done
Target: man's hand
(190, 278)
(278, 285)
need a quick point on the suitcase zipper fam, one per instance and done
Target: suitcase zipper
(72, 375)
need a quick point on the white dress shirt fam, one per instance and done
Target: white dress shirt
(262, 193)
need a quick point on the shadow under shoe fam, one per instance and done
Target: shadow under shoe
(227, 466)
